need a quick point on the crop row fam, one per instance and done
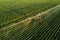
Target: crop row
(34, 30)
(14, 14)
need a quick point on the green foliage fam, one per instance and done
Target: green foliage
(34, 30)
(14, 12)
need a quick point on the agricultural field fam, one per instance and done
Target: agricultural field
(29, 20)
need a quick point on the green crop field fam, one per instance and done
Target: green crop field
(29, 19)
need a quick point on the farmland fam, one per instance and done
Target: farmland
(29, 20)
